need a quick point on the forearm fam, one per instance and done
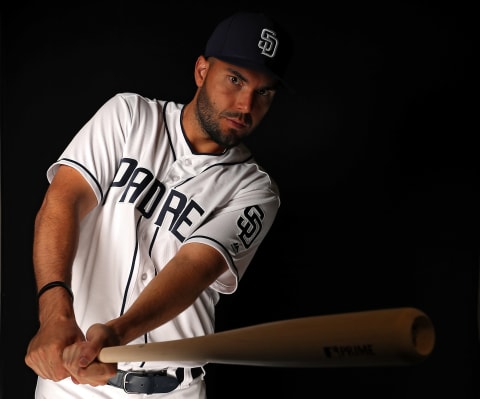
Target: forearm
(175, 288)
(55, 238)
(158, 303)
(54, 245)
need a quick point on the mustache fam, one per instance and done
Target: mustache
(245, 118)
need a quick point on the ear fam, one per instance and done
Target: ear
(201, 68)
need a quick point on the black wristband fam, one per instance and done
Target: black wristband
(53, 284)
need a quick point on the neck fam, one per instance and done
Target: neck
(197, 137)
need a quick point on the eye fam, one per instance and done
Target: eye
(265, 92)
(235, 80)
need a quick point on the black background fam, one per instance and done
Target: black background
(374, 155)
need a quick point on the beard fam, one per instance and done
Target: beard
(208, 119)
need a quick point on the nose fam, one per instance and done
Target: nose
(245, 101)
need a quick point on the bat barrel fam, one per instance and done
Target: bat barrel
(423, 335)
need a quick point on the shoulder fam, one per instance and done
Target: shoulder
(135, 100)
(138, 103)
(133, 105)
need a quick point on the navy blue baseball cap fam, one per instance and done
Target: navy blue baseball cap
(251, 40)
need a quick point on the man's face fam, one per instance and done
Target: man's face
(233, 101)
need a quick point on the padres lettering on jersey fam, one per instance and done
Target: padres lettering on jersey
(183, 211)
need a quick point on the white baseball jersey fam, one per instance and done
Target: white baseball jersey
(154, 195)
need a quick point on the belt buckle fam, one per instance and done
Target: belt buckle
(125, 382)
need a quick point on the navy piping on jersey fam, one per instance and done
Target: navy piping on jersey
(86, 170)
(168, 130)
(132, 268)
(151, 245)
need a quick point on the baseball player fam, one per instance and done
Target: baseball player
(153, 210)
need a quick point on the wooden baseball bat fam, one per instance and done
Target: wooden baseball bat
(384, 337)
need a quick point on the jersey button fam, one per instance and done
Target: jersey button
(144, 276)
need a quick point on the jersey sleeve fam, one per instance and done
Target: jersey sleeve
(96, 149)
(237, 234)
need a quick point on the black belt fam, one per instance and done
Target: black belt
(150, 381)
